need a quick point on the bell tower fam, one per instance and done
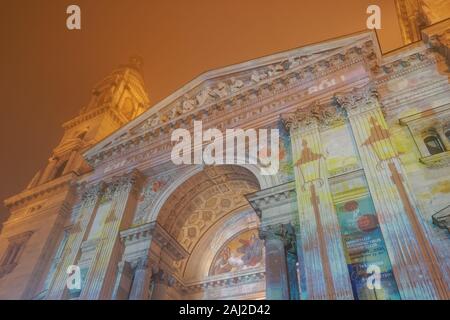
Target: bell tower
(39, 214)
(117, 99)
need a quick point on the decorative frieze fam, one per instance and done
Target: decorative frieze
(172, 116)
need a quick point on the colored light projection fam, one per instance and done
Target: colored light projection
(364, 244)
(339, 151)
(243, 252)
(286, 171)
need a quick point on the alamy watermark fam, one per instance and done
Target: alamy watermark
(235, 146)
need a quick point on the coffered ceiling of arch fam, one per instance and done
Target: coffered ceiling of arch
(203, 199)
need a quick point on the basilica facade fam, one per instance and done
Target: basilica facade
(359, 208)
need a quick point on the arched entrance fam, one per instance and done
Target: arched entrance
(210, 218)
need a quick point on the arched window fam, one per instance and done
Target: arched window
(433, 144)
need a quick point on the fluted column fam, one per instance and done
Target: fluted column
(78, 234)
(414, 262)
(322, 250)
(122, 192)
(277, 280)
(123, 282)
(141, 280)
(161, 281)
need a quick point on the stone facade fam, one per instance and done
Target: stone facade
(363, 185)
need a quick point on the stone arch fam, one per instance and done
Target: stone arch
(186, 173)
(200, 211)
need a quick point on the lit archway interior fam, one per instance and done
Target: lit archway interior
(211, 219)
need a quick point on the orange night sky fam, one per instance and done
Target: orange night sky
(49, 71)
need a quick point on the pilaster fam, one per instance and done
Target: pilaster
(324, 261)
(414, 263)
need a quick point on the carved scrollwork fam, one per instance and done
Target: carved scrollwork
(316, 114)
(284, 232)
(358, 99)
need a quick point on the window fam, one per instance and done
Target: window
(447, 133)
(13, 252)
(60, 170)
(434, 144)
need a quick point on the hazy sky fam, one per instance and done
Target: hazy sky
(47, 71)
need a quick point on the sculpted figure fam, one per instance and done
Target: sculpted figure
(275, 70)
(222, 90)
(203, 96)
(293, 62)
(154, 121)
(176, 111)
(257, 77)
(236, 84)
(188, 104)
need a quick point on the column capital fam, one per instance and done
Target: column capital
(91, 192)
(284, 232)
(358, 99)
(313, 116)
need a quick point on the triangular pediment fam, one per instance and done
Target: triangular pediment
(225, 84)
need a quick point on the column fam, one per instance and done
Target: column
(414, 263)
(123, 281)
(277, 282)
(48, 170)
(122, 192)
(277, 209)
(70, 161)
(161, 281)
(78, 233)
(141, 280)
(326, 273)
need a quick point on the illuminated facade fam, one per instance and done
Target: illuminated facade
(362, 189)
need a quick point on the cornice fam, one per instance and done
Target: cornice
(40, 191)
(268, 198)
(154, 232)
(219, 281)
(177, 113)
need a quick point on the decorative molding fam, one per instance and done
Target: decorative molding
(316, 114)
(292, 77)
(269, 198)
(358, 99)
(154, 232)
(41, 191)
(439, 160)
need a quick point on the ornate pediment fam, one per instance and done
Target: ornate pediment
(249, 82)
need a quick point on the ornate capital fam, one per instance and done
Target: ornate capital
(142, 263)
(283, 232)
(129, 182)
(90, 193)
(358, 99)
(316, 114)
